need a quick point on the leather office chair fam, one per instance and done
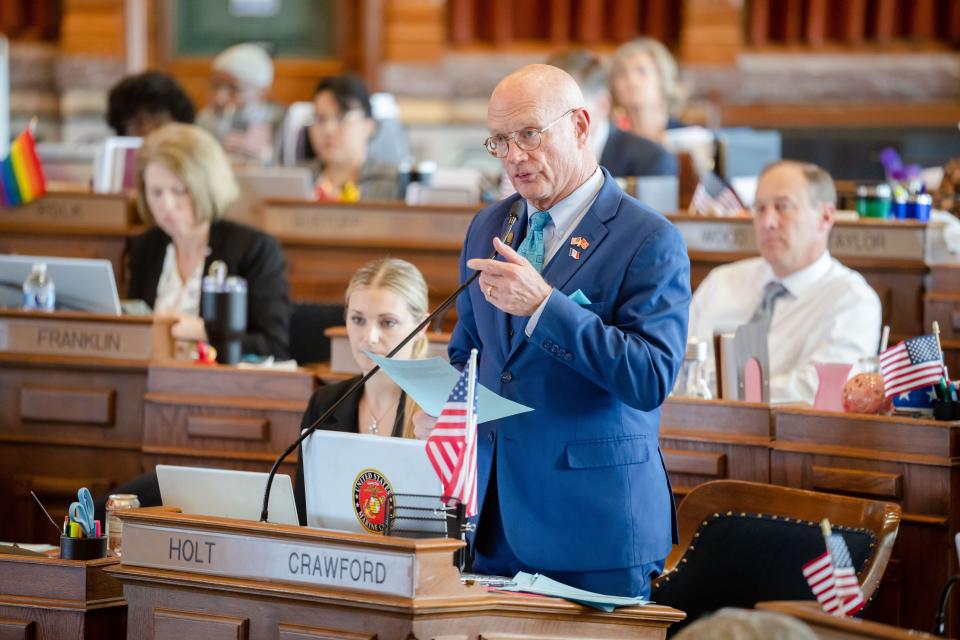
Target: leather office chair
(745, 542)
(307, 322)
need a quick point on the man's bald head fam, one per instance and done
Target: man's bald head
(540, 86)
(542, 97)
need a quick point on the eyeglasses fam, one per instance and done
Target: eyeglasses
(322, 122)
(527, 139)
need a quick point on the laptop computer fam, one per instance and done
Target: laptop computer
(226, 493)
(353, 481)
(82, 284)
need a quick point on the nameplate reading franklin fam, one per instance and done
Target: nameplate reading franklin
(74, 338)
(241, 556)
(375, 224)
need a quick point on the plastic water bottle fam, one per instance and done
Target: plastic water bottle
(38, 290)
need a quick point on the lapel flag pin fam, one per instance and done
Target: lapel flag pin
(574, 254)
(578, 241)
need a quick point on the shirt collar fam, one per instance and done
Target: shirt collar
(800, 282)
(563, 212)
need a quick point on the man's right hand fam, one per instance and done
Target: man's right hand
(423, 424)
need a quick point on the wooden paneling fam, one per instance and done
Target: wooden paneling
(93, 28)
(57, 404)
(230, 428)
(866, 483)
(176, 625)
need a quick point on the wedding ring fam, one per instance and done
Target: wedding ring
(489, 290)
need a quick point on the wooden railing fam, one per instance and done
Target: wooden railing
(30, 19)
(818, 24)
(502, 23)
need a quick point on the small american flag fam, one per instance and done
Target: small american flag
(833, 580)
(452, 447)
(911, 364)
(714, 197)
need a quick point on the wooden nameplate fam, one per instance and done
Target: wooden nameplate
(73, 211)
(85, 335)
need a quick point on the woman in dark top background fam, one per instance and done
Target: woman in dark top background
(186, 185)
(385, 300)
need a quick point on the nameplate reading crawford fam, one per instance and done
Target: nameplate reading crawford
(241, 556)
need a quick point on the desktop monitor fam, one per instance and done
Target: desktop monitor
(81, 284)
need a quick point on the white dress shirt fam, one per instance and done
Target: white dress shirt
(830, 314)
(173, 294)
(564, 218)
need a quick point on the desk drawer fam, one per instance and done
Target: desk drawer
(86, 407)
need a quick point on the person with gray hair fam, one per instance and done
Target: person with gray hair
(239, 113)
(623, 153)
(815, 309)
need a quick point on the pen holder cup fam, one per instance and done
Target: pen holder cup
(83, 548)
(946, 410)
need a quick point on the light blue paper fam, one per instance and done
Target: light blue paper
(542, 585)
(580, 297)
(430, 380)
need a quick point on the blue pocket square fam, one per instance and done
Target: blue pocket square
(580, 298)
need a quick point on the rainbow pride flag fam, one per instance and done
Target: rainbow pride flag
(21, 174)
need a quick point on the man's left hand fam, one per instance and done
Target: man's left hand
(514, 286)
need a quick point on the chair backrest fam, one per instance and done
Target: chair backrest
(308, 344)
(744, 542)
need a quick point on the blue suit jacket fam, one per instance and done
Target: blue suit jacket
(627, 154)
(581, 481)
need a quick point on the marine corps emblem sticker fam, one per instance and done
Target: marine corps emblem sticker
(372, 500)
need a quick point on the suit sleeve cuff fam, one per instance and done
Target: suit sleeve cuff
(532, 322)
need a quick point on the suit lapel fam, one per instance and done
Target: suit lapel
(506, 322)
(563, 266)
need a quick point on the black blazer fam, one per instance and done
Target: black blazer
(627, 154)
(345, 419)
(249, 253)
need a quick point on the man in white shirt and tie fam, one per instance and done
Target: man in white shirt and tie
(817, 310)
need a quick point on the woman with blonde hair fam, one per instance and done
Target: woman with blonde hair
(186, 185)
(645, 88)
(385, 300)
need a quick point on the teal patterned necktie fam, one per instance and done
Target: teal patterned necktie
(532, 246)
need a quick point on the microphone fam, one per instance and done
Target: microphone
(507, 237)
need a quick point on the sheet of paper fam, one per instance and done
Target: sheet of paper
(430, 380)
(542, 585)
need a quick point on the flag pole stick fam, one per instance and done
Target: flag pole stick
(32, 126)
(884, 338)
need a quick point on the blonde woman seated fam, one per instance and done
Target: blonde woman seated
(644, 85)
(385, 300)
(185, 187)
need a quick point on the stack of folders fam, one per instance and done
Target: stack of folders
(115, 165)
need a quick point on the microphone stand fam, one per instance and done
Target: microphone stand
(515, 212)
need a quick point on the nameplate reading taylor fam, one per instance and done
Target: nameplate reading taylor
(243, 556)
(75, 338)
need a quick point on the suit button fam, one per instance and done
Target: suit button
(506, 376)
(490, 437)
(547, 344)
(568, 356)
(511, 332)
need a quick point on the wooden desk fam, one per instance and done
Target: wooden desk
(72, 225)
(915, 463)
(411, 590)
(71, 409)
(200, 415)
(53, 598)
(325, 243)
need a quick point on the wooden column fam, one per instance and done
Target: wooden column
(588, 21)
(759, 22)
(559, 30)
(712, 31)
(93, 27)
(624, 20)
(462, 21)
(656, 19)
(815, 29)
(884, 21)
(922, 19)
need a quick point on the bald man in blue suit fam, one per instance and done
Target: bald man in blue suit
(583, 317)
